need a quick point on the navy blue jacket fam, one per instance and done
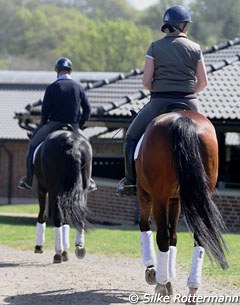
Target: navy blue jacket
(65, 101)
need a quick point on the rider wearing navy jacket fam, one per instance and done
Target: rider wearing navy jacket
(64, 102)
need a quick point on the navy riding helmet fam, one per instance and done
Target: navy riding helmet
(174, 15)
(63, 63)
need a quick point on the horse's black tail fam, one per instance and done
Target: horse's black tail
(72, 197)
(200, 212)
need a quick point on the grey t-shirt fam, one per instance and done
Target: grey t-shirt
(175, 64)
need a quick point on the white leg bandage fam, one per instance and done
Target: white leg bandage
(58, 240)
(162, 275)
(172, 262)
(148, 251)
(65, 235)
(80, 240)
(40, 233)
(194, 279)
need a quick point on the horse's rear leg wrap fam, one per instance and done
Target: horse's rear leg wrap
(40, 233)
(195, 275)
(162, 275)
(80, 240)
(172, 262)
(148, 251)
(58, 240)
(65, 235)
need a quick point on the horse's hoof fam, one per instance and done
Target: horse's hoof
(192, 292)
(38, 249)
(65, 257)
(169, 288)
(150, 276)
(161, 289)
(80, 251)
(57, 259)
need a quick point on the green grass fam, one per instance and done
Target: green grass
(20, 208)
(19, 232)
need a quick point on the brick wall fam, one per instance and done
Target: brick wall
(228, 202)
(108, 207)
(111, 208)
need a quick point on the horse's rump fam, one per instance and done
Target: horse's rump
(59, 167)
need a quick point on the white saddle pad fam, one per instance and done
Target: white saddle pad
(35, 152)
(138, 147)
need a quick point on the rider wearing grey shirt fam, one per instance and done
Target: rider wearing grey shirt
(174, 72)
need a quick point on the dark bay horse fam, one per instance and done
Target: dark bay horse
(177, 169)
(63, 168)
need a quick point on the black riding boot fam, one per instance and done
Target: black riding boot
(127, 186)
(26, 181)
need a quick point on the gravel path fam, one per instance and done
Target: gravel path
(31, 279)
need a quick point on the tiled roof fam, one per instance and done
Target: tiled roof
(10, 101)
(113, 98)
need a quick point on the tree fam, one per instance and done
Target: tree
(214, 20)
(153, 16)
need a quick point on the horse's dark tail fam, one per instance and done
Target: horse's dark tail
(72, 197)
(200, 212)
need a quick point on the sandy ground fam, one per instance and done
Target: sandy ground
(31, 279)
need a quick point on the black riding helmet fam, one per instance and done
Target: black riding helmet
(173, 16)
(62, 64)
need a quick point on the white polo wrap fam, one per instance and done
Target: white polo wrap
(58, 240)
(40, 233)
(162, 274)
(148, 251)
(65, 235)
(195, 275)
(80, 240)
(172, 262)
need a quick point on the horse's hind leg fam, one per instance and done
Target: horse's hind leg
(80, 250)
(160, 212)
(173, 214)
(146, 235)
(58, 234)
(41, 220)
(194, 279)
(65, 241)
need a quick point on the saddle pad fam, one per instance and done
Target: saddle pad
(136, 152)
(35, 152)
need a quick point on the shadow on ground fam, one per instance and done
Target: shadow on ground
(67, 297)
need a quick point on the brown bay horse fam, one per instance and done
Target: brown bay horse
(177, 170)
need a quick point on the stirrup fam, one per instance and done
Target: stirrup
(23, 184)
(92, 185)
(125, 189)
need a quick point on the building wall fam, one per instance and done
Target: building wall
(12, 168)
(104, 203)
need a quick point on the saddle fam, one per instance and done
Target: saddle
(178, 106)
(64, 126)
